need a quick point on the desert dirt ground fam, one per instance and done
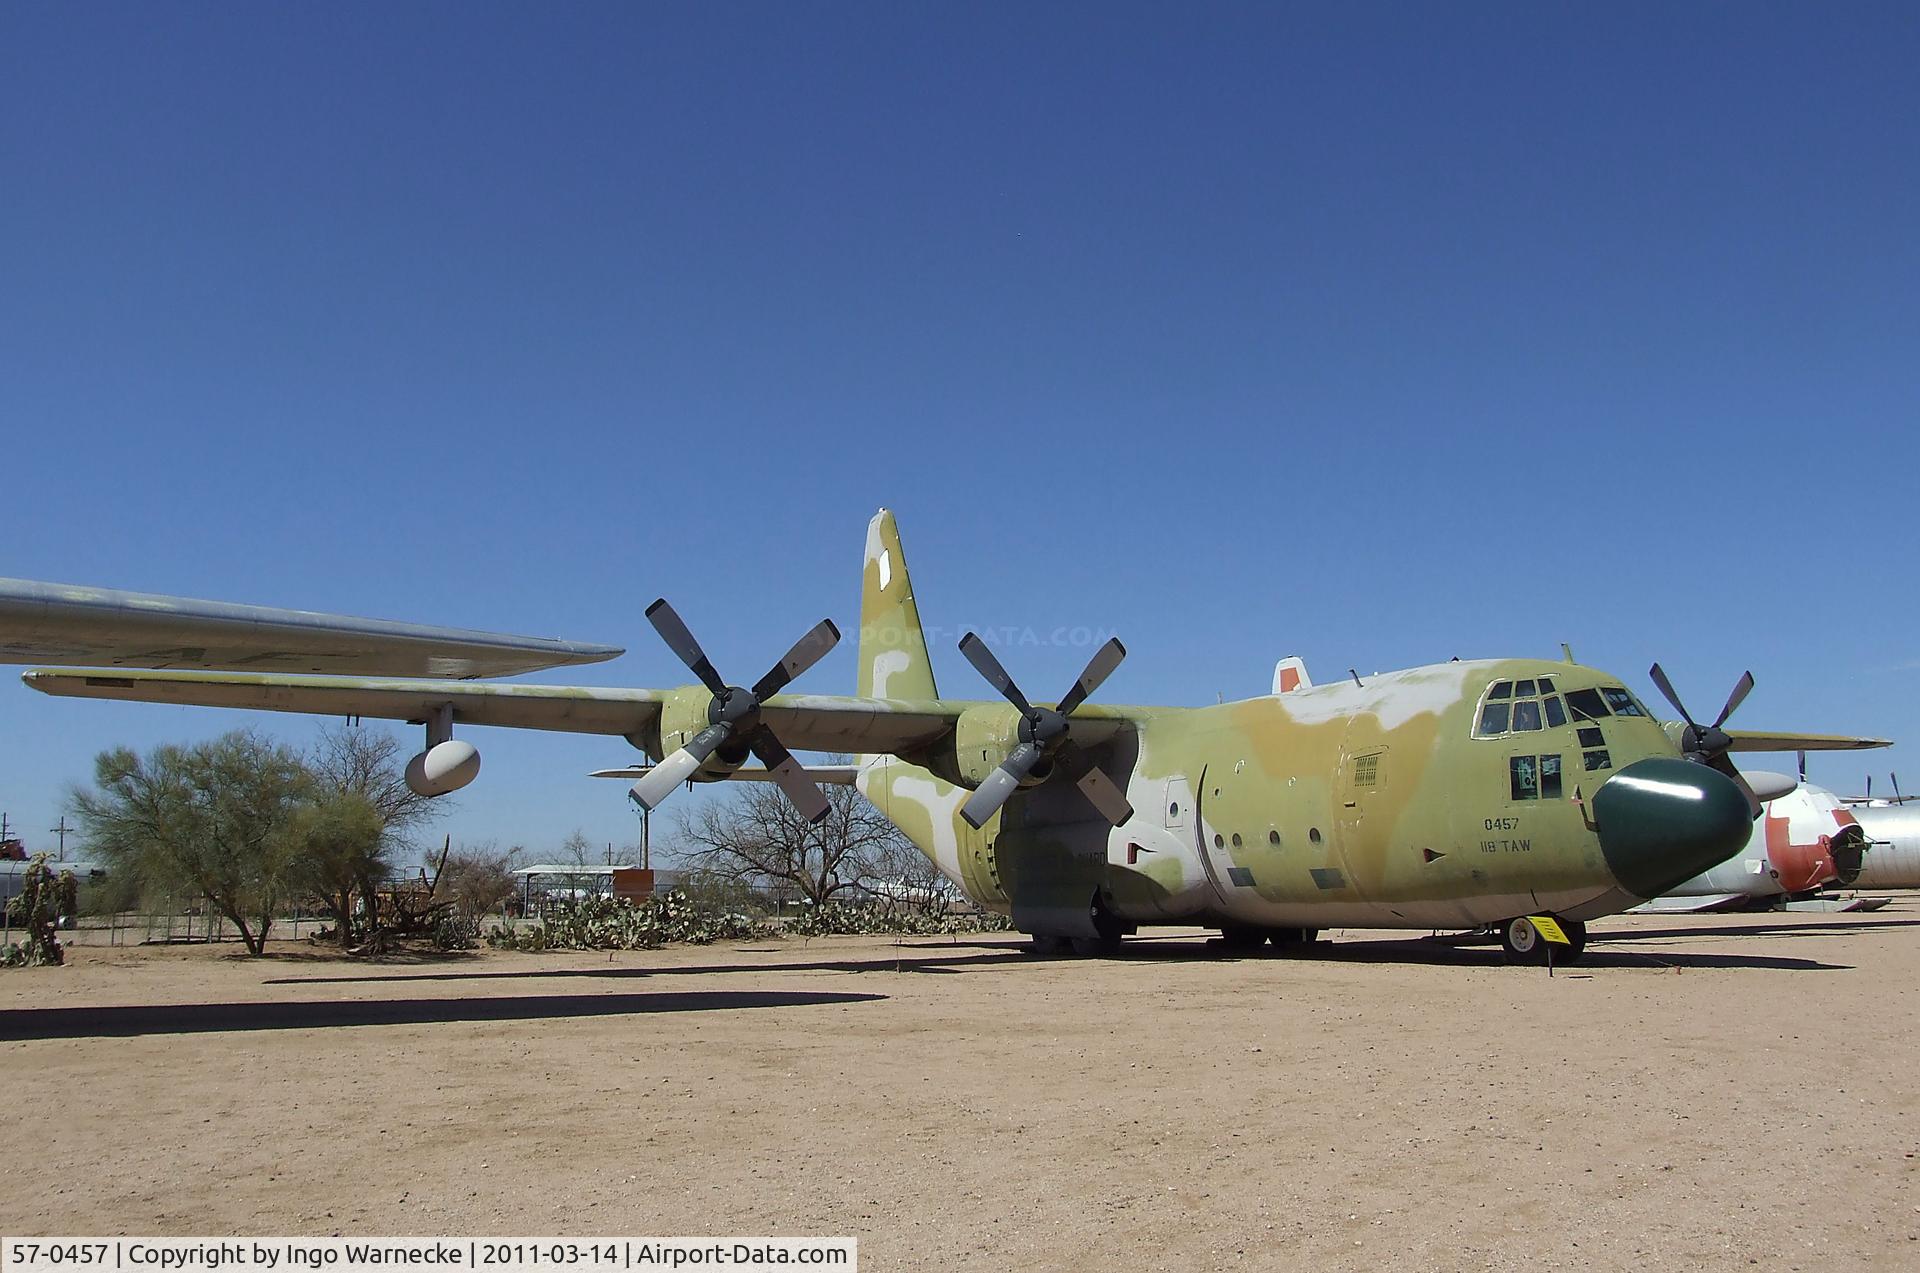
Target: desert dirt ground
(1704, 1092)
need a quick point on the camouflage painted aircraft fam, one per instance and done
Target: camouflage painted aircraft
(1456, 796)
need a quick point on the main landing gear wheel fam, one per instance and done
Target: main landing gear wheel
(1293, 941)
(1107, 929)
(1240, 937)
(1097, 947)
(1523, 943)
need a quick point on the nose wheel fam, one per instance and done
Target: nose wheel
(1524, 943)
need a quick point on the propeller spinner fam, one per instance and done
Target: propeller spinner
(1709, 744)
(1045, 738)
(735, 713)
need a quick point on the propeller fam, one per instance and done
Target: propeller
(734, 715)
(1709, 744)
(1045, 738)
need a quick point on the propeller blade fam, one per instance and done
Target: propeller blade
(785, 770)
(1000, 785)
(807, 651)
(1741, 689)
(1101, 791)
(1803, 766)
(667, 776)
(1727, 767)
(1098, 669)
(1666, 687)
(1897, 797)
(984, 663)
(679, 638)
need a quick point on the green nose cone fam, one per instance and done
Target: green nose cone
(1663, 821)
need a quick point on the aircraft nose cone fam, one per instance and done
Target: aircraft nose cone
(1662, 821)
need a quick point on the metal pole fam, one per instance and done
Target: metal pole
(61, 831)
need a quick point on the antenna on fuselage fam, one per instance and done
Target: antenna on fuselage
(1567, 650)
(1355, 674)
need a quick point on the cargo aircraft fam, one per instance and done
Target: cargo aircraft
(1460, 795)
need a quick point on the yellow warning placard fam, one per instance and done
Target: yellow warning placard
(1549, 928)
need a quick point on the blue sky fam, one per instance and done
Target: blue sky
(1376, 333)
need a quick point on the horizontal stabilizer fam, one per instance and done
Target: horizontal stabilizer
(74, 626)
(1836, 905)
(829, 775)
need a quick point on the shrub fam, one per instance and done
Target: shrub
(606, 923)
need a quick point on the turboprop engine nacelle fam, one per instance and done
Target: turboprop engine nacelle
(444, 767)
(983, 737)
(684, 714)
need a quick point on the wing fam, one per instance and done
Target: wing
(1761, 740)
(810, 722)
(99, 627)
(807, 722)
(826, 775)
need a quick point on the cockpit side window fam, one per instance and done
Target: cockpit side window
(1556, 714)
(1586, 705)
(1622, 703)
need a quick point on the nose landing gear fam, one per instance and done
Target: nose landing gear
(1524, 944)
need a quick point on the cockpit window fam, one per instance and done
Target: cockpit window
(1622, 703)
(1586, 704)
(1525, 707)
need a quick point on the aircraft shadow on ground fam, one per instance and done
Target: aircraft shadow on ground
(1780, 928)
(1000, 953)
(1403, 950)
(198, 1018)
(1422, 950)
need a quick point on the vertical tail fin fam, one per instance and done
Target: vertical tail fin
(893, 649)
